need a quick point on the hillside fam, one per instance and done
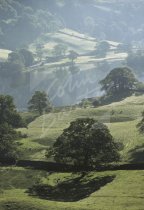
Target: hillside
(121, 117)
(120, 21)
(51, 74)
(82, 44)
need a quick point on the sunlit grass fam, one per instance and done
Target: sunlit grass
(4, 53)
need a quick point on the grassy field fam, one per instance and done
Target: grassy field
(80, 43)
(74, 40)
(124, 191)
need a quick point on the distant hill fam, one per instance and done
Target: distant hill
(23, 21)
(117, 20)
(21, 24)
(80, 25)
(76, 84)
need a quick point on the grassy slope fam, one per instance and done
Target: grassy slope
(121, 117)
(124, 192)
(80, 43)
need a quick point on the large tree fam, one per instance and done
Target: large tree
(15, 57)
(22, 56)
(85, 142)
(8, 112)
(102, 48)
(72, 55)
(8, 144)
(39, 102)
(28, 57)
(9, 119)
(118, 81)
(60, 50)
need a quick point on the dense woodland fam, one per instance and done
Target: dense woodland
(23, 24)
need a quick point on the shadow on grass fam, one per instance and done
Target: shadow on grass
(71, 190)
(137, 154)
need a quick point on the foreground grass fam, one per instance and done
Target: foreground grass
(121, 118)
(124, 192)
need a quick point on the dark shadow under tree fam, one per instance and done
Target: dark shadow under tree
(71, 190)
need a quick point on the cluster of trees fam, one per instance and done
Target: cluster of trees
(20, 24)
(13, 70)
(10, 120)
(22, 56)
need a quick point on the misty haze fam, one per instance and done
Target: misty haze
(71, 104)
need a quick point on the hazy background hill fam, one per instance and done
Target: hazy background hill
(20, 25)
(120, 21)
(113, 20)
(78, 25)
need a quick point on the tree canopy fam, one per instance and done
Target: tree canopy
(27, 56)
(102, 48)
(60, 50)
(8, 145)
(85, 142)
(72, 55)
(39, 102)
(119, 80)
(22, 56)
(9, 119)
(8, 112)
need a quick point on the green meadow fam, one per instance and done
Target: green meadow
(121, 118)
(108, 190)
